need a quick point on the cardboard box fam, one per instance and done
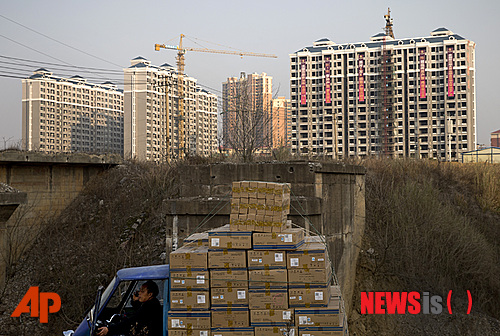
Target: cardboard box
(335, 292)
(310, 277)
(197, 239)
(230, 318)
(319, 317)
(267, 279)
(189, 300)
(276, 331)
(226, 239)
(321, 331)
(235, 205)
(227, 259)
(197, 280)
(264, 225)
(232, 332)
(229, 297)
(271, 317)
(189, 258)
(245, 185)
(308, 297)
(309, 255)
(265, 259)
(236, 189)
(229, 278)
(268, 299)
(314, 239)
(287, 239)
(248, 224)
(188, 332)
(189, 320)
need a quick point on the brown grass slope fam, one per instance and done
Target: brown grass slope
(431, 227)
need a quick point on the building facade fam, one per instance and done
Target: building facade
(151, 114)
(281, 122)
(65, 115)
(495, 139)
(246, 106)
(412, 97)
(205, 142)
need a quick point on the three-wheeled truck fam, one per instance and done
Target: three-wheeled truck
(114, 302)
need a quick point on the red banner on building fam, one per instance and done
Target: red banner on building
(328, 80)
(361, 78)
(423, 90)
(451, 89)
(303, 74)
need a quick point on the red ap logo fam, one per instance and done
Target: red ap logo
(39, 304)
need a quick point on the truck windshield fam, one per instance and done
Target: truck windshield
(107, 293)
(104, 297)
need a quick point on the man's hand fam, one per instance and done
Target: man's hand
(103, 331)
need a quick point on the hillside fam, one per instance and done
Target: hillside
(430, 227)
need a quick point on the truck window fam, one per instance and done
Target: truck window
(119, 294)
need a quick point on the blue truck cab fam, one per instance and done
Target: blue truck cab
(115, 300)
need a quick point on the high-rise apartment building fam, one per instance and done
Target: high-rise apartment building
(246, 109)
(281, 122)
(152, 115)
(63, 115)
(206, 123)
(412, 97)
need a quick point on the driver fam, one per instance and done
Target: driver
(147, 319)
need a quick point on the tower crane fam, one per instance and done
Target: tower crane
(181, 50)
(388, 24)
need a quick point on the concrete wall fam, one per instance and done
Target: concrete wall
(50, 183)
(328, 198)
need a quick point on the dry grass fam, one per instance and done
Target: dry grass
(432, 226)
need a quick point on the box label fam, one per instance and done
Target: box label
(278, 257)
(318, 295)
(201, 298)
(294, 262)
(200, 279)
(176, 323)
(215, 242)
(241, 295)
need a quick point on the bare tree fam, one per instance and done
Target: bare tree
(247, 121)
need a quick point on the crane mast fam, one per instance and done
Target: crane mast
(388, 24)
(181, 51)
(180, 92)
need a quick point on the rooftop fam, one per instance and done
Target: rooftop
(438, 35)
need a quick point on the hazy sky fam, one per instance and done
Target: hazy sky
(114, 32)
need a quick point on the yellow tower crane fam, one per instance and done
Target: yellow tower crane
(388, 24)
(181, 50)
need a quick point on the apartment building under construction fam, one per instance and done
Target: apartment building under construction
(411, 97)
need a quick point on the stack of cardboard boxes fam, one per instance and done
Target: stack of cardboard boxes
(259, 206)
(255, 276)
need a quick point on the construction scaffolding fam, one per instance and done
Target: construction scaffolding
(386, 102)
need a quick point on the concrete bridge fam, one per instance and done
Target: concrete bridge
(41, 186)
(326, 197)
